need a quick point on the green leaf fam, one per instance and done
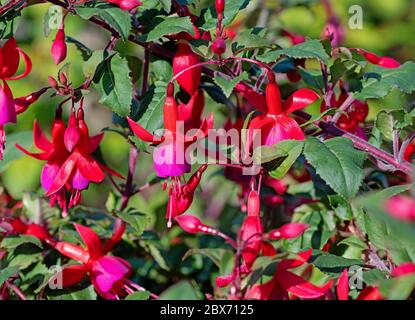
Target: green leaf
(139, 221)
(140, 295)
(216, 255)
(6, 273)
(385, 124)
(251, 39)
(183, 290)
(354, 241)
(386, 80)
(117, 18)
(232, 8)
(399, 288)
(14, 242)
(11, 153)
(85, 51)
(115, 85)
(293, 149)
(164, 26)
(227, 85)
(307, 50)
(338, 163)
(332, 264)
(52, 19)
(162, 70)
(85, 294)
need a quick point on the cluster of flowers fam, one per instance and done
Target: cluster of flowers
(70, 167)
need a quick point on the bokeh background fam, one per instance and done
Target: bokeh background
(388, 29)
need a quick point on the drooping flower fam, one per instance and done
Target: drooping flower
(401, 207)
(276, 125)
(286, 282)
(170, 155)
(69, 163)
(10, 55)
(59, 49)
(382, 61)
(108, 274)
(251, 230)
(183, 59)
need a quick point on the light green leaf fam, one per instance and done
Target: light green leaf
(14, 242)
(164, 26)
(139, 221)
(140, 295)
(386, 80)
(293, 149)
(307, 50)
(227, 85)
(11, 153)
(332, 264)
(338, 163)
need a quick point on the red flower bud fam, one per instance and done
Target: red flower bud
(254, 204)
(22, 103)
(288, 231)
(219, 46)
(37, 231)
(184, 59)
(220, 6)
(52, 82)
(189, 223)
(402, 208)
(58, 49)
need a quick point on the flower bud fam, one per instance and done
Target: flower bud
(184, 59)
(288, 231)
(219, 46)
(220, 7)
(58, 49)
(53, 83)
(189, 223)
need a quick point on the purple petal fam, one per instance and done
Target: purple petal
(106, 271)
(169, 160)
(48, 175)
(79, 181)
(7, 111)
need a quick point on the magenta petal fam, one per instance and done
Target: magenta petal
(48, 175)
(169, 159)
(7, 111)
(284, 128)
(106, 271)
(79, 181)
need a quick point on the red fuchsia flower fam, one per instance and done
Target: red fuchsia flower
(69, 163)
(59, 49)
(276, 125)
(181, 196)
(287, 231)
(183, 59)
(286, 282)
(126, 4)
(386, 62)
(409, 151)
(251, 230)
(108, 274)
(10, 55)
(17, 226)
(170, 157)
(21, 104)
(401, 208)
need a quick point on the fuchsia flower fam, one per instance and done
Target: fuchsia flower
(276, 125)
(69, 163)
(402, 208)
(386, 62)
(342, 290)
(108, 274)
(169, 156)
(288, 231)
(251, 230)
(58, 49)
(286, 282)
(10, 55)
(17, 226)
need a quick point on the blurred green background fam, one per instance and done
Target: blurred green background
(389, 28)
